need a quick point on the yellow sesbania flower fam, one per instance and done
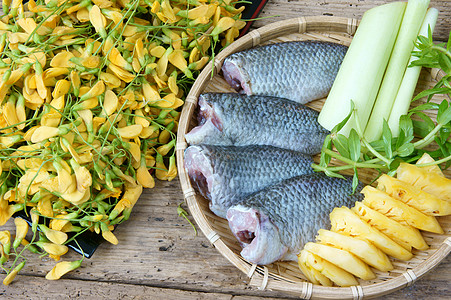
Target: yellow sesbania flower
(21, 231)
(108, 235)
(62, 268)
(10, 277)
(52, 248)
(55, 236)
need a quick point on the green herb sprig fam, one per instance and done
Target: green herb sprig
(418, 135)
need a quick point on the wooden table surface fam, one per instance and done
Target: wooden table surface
(159, 256)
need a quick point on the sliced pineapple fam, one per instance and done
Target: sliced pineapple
(342, 259)
(425, 159)
(398, 211)
(344, 221)
(413, 196)
(312, 275)
(360, 248)
(430, 182)
(404, 235)
(337, 275)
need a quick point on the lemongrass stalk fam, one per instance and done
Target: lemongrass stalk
(410, 79)
(408, 32)
(363, 67)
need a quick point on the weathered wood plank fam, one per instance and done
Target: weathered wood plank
(159, 256)
(279, 10)
(39, 288)
(158, 249)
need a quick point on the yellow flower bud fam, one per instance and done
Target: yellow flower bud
(10, 277)
(55, 236)
(52, 248)
(110, 237)
(21, 231)
(62, 268)
(5, 239)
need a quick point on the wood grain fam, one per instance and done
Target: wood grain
(159, 257)
(278, 10)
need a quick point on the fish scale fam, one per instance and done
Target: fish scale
(301, 71)
(224, 174)
(238, 119)
(290, 213)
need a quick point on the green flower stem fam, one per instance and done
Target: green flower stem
(428, 138)
(443, 50)
(351, 163)
(437, 162)
(377, 154)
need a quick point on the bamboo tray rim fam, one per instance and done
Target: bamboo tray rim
(260, 276)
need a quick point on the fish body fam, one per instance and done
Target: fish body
(275, 223)
(239, 120)
(301, 71)
(224, 174)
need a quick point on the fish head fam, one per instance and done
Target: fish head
(236, 76)
(199, 169)
(210, 124)
(203, 177)
(258, 236)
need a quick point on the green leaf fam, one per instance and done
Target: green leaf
(445, 117)
(394, 164)
(406, 149)
(423, 40)
(354, 145)
(444, 134)
(448, 45)
(387, 138)
(405, 124)
(430, 93)
(325, 158)
(425, 106)
(378, 145)
(341, 143)
(430, 124)
(400, 139)
(442, 107)
(443, 147)
(340, 125)
(333, 174)
(444, 62)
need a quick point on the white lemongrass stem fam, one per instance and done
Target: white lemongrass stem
(410, 79)
(363, 67)
(408, 32)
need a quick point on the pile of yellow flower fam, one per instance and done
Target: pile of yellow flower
(90, 94)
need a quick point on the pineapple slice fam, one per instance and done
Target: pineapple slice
(430, 182)
(398, 211)
(312, 275)
(404, 235)
(337, 275)
(426, 158)
(342, 259)
(426, 203)
(344, 221)
(360, 248)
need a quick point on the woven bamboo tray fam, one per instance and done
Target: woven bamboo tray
(286, 276)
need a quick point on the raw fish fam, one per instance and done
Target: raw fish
(275, 223)
(301, 71)
(224, 174)
(240, 120)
